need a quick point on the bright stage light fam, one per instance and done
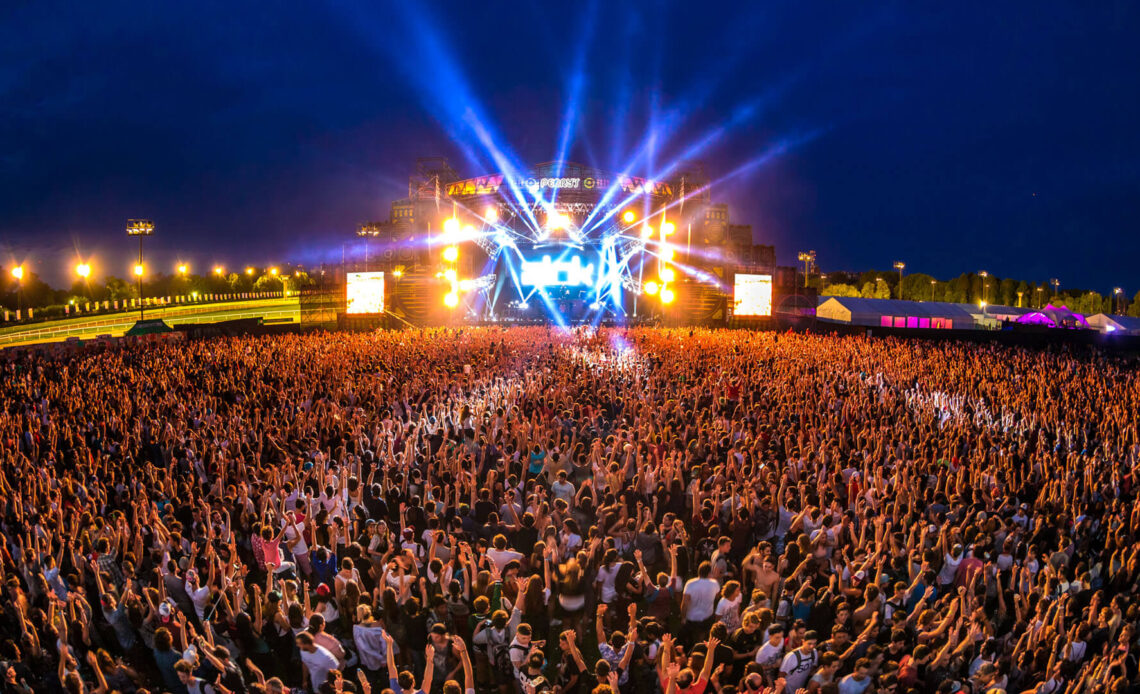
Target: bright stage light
(451, 299)
(139, 270)
(83, 270)
(628, 217)
(450, 275)
(668, 275)
(667, 296)
(667, 253)
(646, 231)
(651, 288)
(667, 228)
(451, 226)
(556, 220)
(451, 254)
(491, 215)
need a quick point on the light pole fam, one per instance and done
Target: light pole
(808, 259)
(1039, 304)
(985, 283)
(900, 265)
(140, 228)
(932, 283)
(1118, 300)
(84, 271)
(366, 231)
(18, 273)
(1056, 287)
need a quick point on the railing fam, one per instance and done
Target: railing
(124, 323)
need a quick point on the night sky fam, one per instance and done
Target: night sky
(1000, 136)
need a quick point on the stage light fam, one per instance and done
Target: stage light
(651, 288)
(138, 270)
(219, 270)
(668, 275)
(83, 270)
(667, 253)
(182, 269)
(556, 220)
(646, 231)
(451, 226)
(667, 296)
(492, 215)
(397, 273)
(667, 228)
(451, 254)
(451, 299)
(628, 217)
(450, 275)
(524, 306)
(18, 272)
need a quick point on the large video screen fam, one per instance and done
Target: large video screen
(365, 293)
(752, 295)
(559, 267)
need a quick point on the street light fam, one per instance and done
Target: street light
(985, 283)
(932, 283)
(1118, 299)
(140, 228)
(18, 273)
(83, 270)
(273, 271)
(249, 271)
(1056, 286)
(183, 269)
(807, 258)
(899, 265)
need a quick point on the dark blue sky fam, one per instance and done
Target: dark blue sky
(999, 137)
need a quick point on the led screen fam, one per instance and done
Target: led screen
(752, 295)
(365, 292)
(567, 267)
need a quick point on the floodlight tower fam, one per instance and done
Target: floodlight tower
(808, 259)
(900, 266)
(140, 228)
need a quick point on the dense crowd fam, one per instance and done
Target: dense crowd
(583, 512)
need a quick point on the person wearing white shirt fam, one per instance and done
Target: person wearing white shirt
(316, 660)
(698, 600)
(770, 654)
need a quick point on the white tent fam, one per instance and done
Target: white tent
(1119, 325)
(896, 313)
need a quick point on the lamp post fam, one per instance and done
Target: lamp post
(18, 273)
(1056, 287)
(808, 259)
(140, 228)
(366, 231)
(1039, 304)
(900, 265)
(932, 283)
(985, 283)
(84, 271)
(1118, 300)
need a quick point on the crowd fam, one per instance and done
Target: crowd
(583, 512)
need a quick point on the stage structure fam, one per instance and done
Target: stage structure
(562, 243)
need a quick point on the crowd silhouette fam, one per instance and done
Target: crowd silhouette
(613, 511)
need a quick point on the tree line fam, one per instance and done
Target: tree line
(971, 288)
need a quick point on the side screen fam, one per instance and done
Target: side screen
(752, 295)
(365, 292)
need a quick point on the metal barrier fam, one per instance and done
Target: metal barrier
(123, 324)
